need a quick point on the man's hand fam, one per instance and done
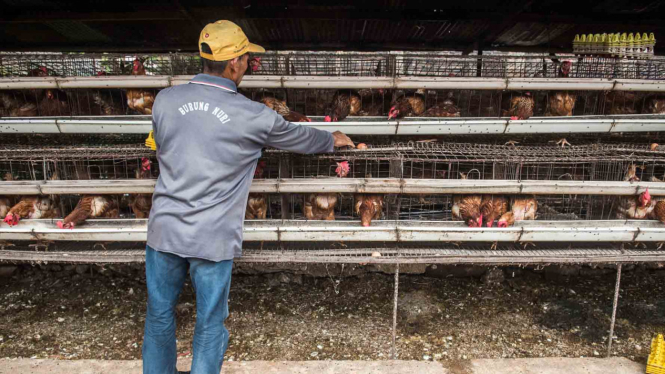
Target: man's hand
(342, 140)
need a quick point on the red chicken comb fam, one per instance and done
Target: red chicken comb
(393, 113)
(327, 119)
(11, 219)
(60, 225)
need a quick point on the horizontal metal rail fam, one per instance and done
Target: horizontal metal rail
(381, 231)
(355, 126)
(443, 256)
(352, 185)
(284, 81)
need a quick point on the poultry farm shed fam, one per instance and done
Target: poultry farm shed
(72, 128)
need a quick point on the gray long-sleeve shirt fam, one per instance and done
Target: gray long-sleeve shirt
(209, 138)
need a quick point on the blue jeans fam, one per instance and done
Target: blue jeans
(165, 276)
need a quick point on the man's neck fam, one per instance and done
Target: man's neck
(225, 74)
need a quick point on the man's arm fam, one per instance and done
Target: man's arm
(301, 139)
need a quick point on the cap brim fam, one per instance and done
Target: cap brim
(255, 48)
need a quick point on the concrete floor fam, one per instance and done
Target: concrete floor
(509, 366)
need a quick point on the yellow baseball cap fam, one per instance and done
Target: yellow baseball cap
(226, 40)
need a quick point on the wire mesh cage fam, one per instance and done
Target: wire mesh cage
(377, 64)
(315, 102)
(426, 160)
(412, 160)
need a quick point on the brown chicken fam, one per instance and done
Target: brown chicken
(280, 107)
(253, 65)
(634, 207)
(518, 106)
(408, 106)
(374, 102)
(560, 104)
(369, 207)
(631, 174)
(445, 109)
(467, 209)
(659, 211)
(91, 206)
(656, 105)
(96, 103)
(522, 209)
(493, 207)
(621, 102)
(142, 203)
(344, 103)
(5, 206)
(54, 103)
(320, 206)
(32, 207)
(140, 100)
(16, 105)
(257, 204)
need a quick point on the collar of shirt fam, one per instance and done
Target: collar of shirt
(213, 81)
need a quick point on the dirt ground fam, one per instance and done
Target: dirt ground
(84, 312)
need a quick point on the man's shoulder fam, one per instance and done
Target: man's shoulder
(252, 105)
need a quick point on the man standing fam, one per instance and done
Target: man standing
(209, 139)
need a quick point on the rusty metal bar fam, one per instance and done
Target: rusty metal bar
(614, 309)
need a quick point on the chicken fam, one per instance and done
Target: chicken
(257, 204)
(96, 103)
(140, 100)
(32, 207)
(631, 174)
(659, 211)
(253, 65)
(621, 102)
(16, 105)
(91, 206)
(560, 104)
(519, 106)
(467, 209)
(408, 106)
(634, 207)
(656, 105)
(280, 107)
(342, 169)
(5, 206)
(374, 102)
(445, 109)
(320, 206)
(142, 203)
(344, 103)
(41, 71)
(369, 207)
(493, 207)
(521, 209)
(54, 103)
